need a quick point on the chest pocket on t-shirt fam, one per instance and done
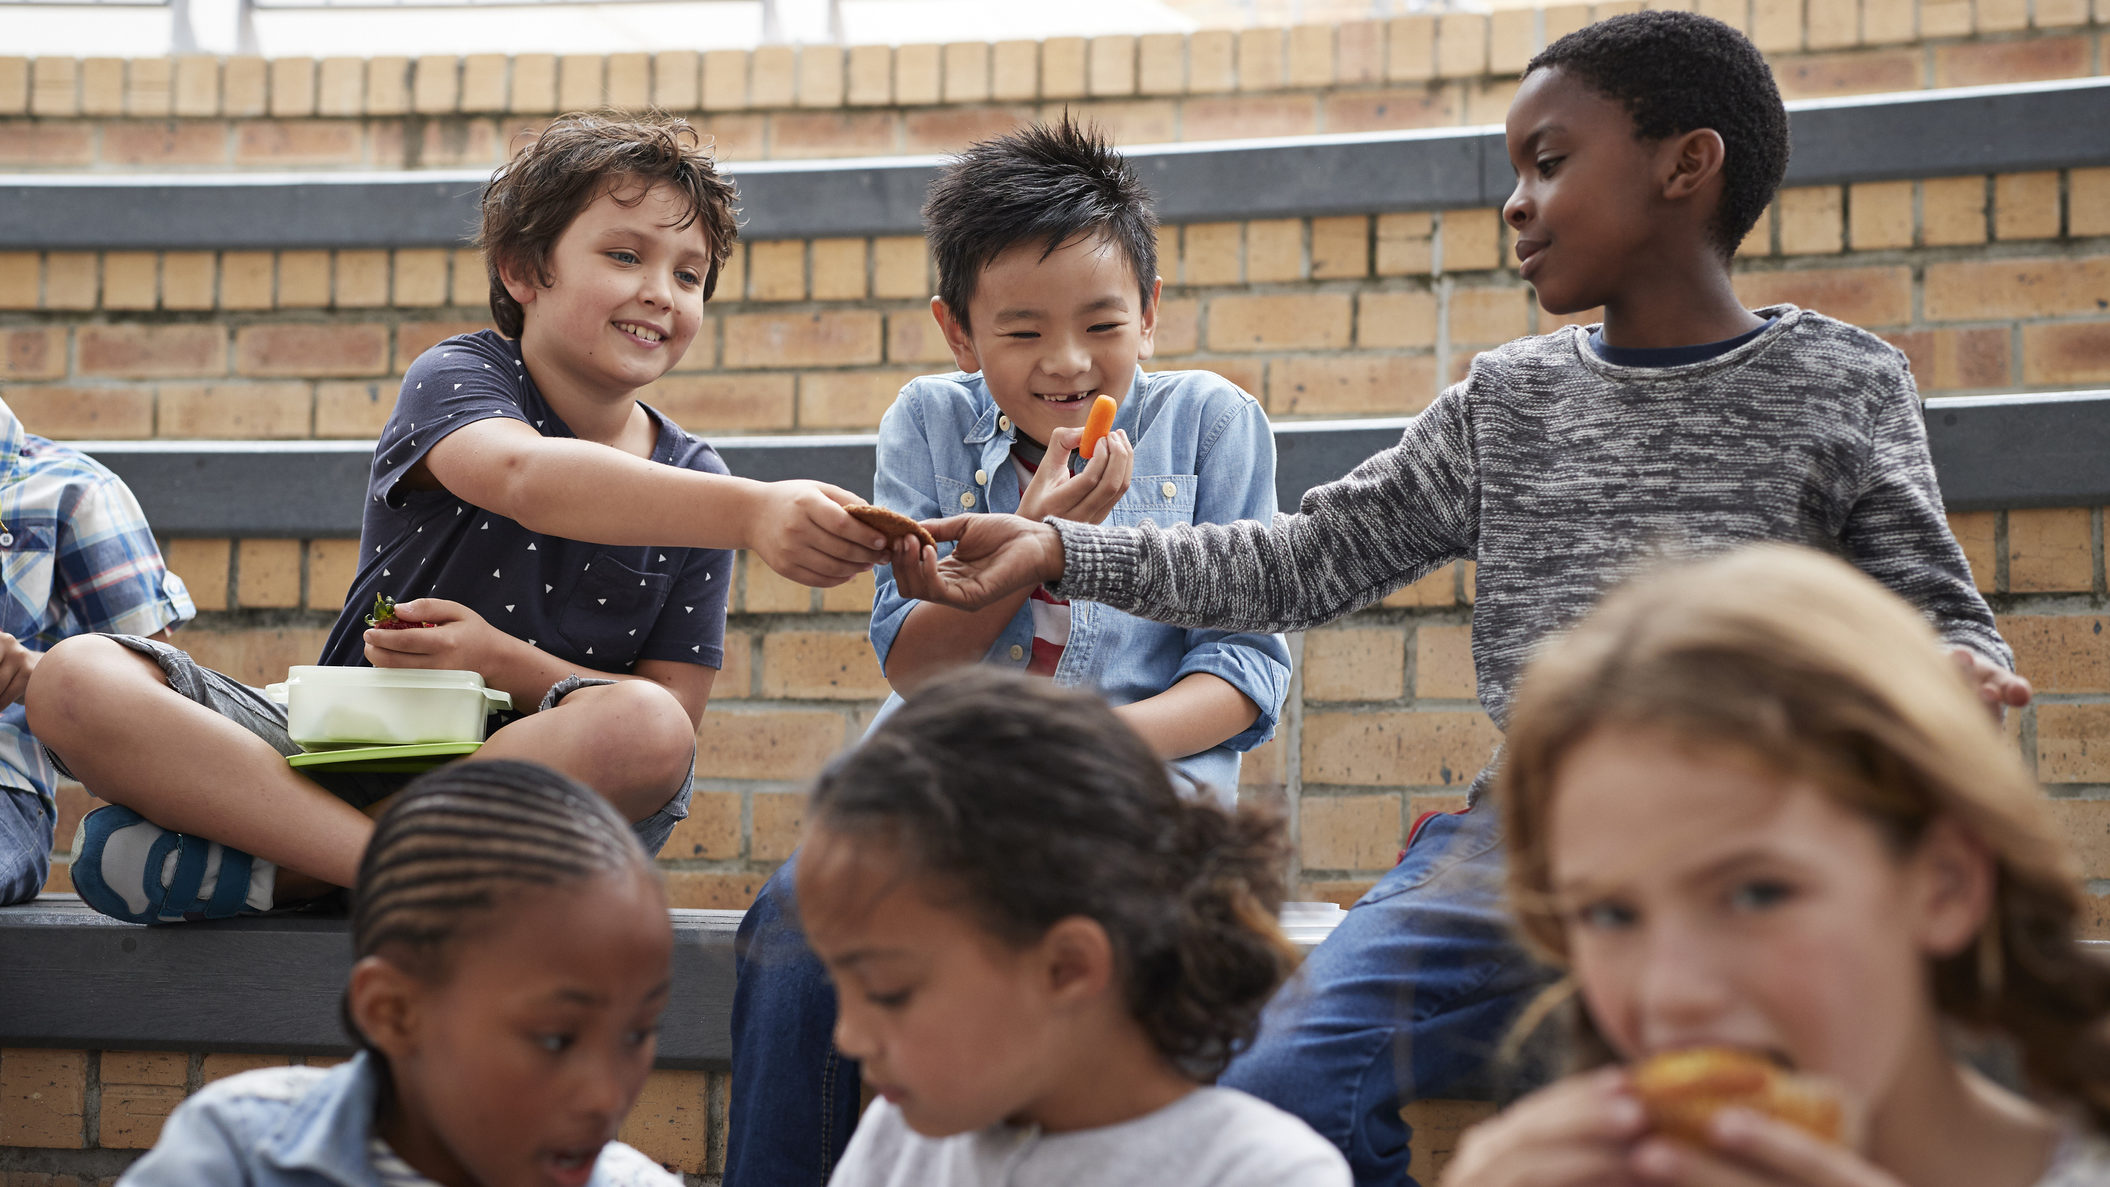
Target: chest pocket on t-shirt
(28, 565)
(611, 611)
(1163, 499)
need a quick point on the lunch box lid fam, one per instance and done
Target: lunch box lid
(324, 676)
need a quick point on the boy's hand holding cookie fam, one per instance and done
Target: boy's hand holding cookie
(993, 555)
(802, 531)
(1088, 495)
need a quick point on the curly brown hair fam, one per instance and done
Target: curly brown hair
(1034, 803)
(1809, 668)
(532, 199)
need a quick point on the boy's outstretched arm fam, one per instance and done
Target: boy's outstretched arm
(581, 490)
(1394, 518)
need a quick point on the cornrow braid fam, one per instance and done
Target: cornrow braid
(461, 838)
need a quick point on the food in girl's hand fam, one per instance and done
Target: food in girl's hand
(1097, 424)
(1683, 1090)
(384, 616)
(892, 524)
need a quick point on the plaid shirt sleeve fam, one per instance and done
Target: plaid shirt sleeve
(110, 575)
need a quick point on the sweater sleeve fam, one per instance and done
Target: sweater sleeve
(1391, 520)
(1897, 533)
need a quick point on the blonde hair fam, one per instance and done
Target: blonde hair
(1806, 666)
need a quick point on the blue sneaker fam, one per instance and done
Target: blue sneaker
(129, 868)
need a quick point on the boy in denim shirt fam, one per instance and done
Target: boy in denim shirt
(1646, 146)
(1048, 296)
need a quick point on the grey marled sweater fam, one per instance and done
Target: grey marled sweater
(1561, 474)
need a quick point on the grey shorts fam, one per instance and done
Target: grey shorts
(253, 711)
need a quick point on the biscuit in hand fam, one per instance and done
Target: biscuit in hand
(892, 524)
(1682, 1091)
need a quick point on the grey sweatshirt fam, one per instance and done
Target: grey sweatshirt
(1562, 474)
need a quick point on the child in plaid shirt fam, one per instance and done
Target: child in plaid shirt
(77, 557)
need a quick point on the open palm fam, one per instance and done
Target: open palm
(993, 555)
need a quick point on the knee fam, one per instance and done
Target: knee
(648, 731)
(72, 682)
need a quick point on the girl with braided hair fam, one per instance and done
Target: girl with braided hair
(512, 954)
(1043, 953)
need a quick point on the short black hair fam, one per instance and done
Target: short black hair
(1030, 803)
(1044, 183)
(1676, 72)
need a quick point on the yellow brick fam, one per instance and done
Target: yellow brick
(1062, 68)
(131, 280)
(1471, 240)
(1390, 321)
(1776, 25)
(2026, 205)
(1360, 53)
(772, 78)
(870, 76)
(102, 86)
(2073, 746)
(1438, 1126)
(1563, 19)
(1212, 253)
(1511, 40)
(1488, 316)
(2050, 550)
(1975, 532)
(1888, 22)
(1289, 321)
(1355, 664)
(1832, 25)
(1340, 248)
(245, 87)
(1410, 48)
(292, 87)
(54, 86)
(919, 74)
(581, 81)
(1952, 211)
(420, 277)
(246, 280)
(139, 1090)
(340, 87)
(203, 566)
(1274, 250)
(1439, 588)
(1161, 63)
(331, 566)
(43, 1098)
(1443, 662)
(966, 72)
(1350, 832)
(2088, 202)
(900, 267)
(676, 75)
(820, 76)
(436, 84)
(534, 84)
(21, 278)
(268, 574)
(1461, 45)
(14, 85)
(629, 82)
(1417, 749)
(1311, 55)
(70, 280)
(472, 281)
(1405, 244)
(766, 592)
(362, 279)
(838, 269)
(2065, 653)
(1212, 61)
(1014, 70)
(150, 86)
(820, 665)
(303, 279)
(1812, 220)
(1759, 241)
(2002, 16)
(1112, 65)
(483, 83)
(724, 80)
(1260, 64)
(1880, 215)
(388, 87)
(197, 86)
(777, 270)
(2054, 14)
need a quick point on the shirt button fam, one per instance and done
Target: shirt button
(1003, 424)
(1017, 652)
(1171, 489)
(967, 498)
(981, 478)
(7, 539)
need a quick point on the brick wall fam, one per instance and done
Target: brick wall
(828, 101)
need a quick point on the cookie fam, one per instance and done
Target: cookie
(1683, 1090)
(892, 524)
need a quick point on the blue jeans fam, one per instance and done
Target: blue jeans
(27, 813)
(1412, 997)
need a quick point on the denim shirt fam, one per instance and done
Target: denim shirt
(1204, 454)
(305, 1127)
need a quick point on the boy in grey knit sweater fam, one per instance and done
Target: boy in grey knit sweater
(1645, 147)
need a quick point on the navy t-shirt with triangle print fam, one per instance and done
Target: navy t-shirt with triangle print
(598, 606)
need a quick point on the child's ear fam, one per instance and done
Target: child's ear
(1150, 321)
(382, 1000)
(1079, 960)
(1953, 884)
(519, 285)
(956, 336)
(1694, 159)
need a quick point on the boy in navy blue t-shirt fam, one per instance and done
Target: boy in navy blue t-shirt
(542, 526)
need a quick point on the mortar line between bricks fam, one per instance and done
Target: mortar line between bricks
(91, 1100)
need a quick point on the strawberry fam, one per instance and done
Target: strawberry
(384, 616)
